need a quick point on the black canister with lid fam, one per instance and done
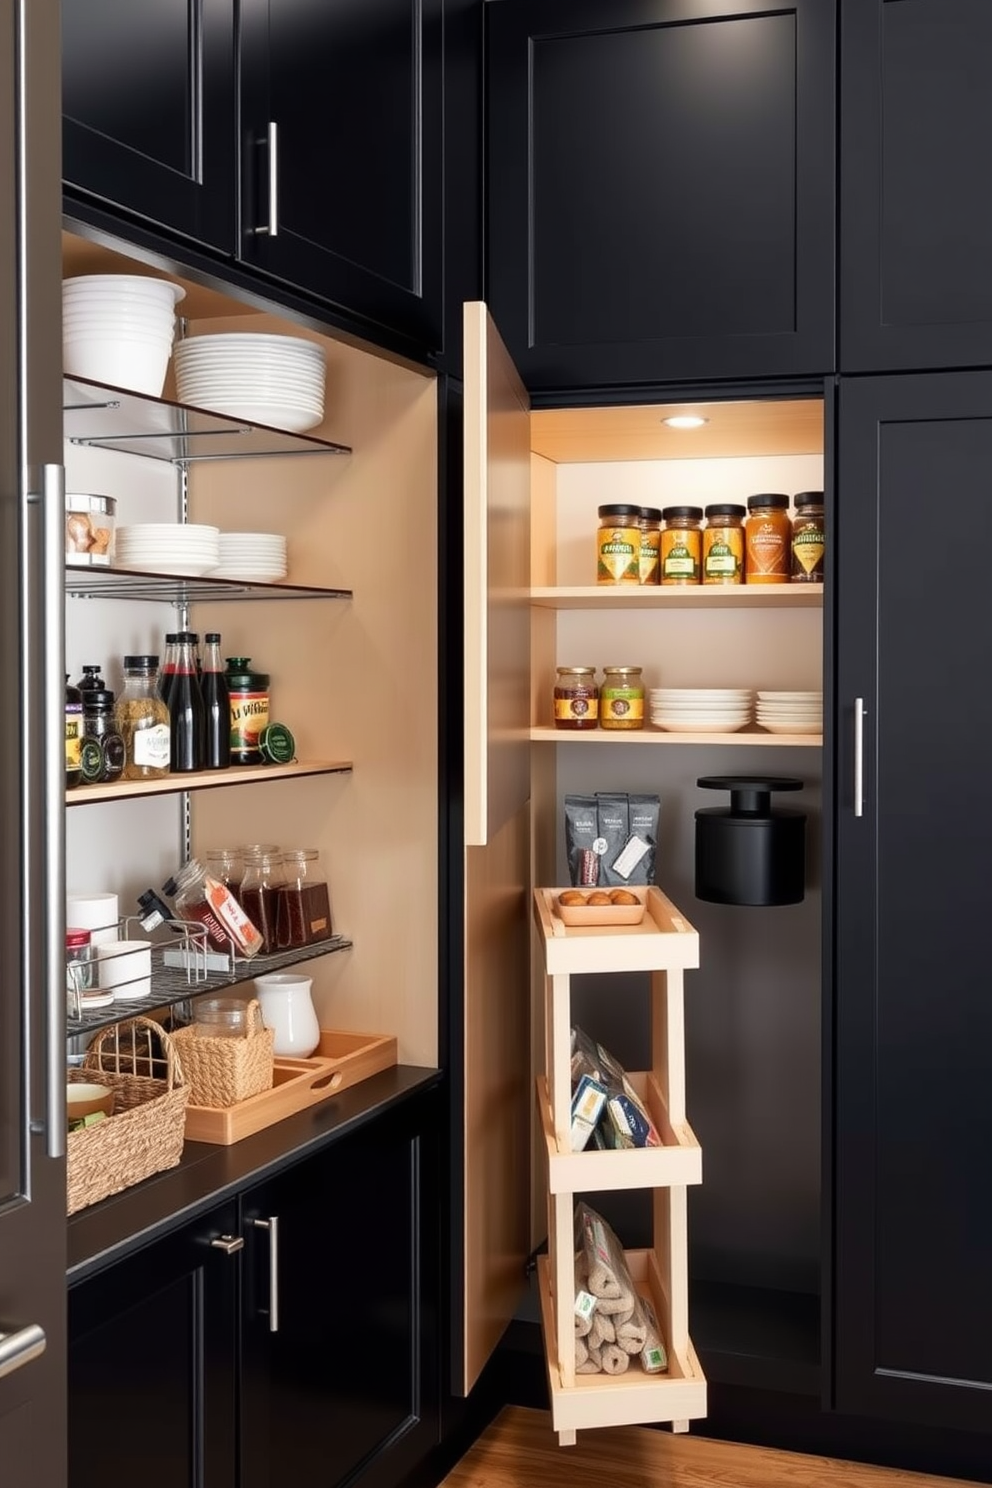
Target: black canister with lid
(747, 853)
(102, 753)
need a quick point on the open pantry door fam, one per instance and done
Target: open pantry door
(497, 1067)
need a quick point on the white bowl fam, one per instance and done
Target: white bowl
(128, 364)
(123, 286)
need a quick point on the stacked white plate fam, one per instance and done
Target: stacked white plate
(118, 329)
(790, 712)
(255, 557)
(700, 710)
(264, 379)
(186, 548)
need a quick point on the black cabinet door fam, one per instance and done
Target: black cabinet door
(149, 122)
(916, 184)
(913, 1076)
(152, 1364)
(342, 110)
(340, 1318)
(660, 188)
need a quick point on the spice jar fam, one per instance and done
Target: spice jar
(142, 720)
(249, 697)
(619, 545)
(681, 544)
(650, 561)
(808, 538)
(621, 698)
(101, 757)
(768, 539)
(576, 698)
(723, 544)
(303, 911)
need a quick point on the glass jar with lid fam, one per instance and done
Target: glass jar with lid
(576, 698)
(142, 720)
(619, 545)
(303, 910)
(621, 698)
(681, 544)
(768, 539)
(808, 538)
(650, 562)
(259, 891)
(723, 544)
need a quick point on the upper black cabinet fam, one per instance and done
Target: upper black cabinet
(916, 184)
(660, 188)
(341, 148)
(149, 121)
(913, 1201)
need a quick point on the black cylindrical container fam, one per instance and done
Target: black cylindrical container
(747, 853)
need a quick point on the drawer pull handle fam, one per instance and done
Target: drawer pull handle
(272, 1225)
(17, 1349)
(229, 1244)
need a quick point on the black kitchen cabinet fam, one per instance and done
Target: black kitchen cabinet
(916, 185)
(342, 154)
(340, 1364)
(152, 1363)
(660, 189)
(149, 112)
(913, 1073)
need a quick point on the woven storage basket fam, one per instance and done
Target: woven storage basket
(222, 1071)
(138, 1061)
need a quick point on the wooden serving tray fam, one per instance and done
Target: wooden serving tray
(340, 1060)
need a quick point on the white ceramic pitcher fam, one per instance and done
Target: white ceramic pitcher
(284, 997)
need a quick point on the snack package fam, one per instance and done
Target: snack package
(614, 1325)
(610, 839)
(624, 1120)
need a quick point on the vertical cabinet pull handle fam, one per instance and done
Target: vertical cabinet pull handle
(53, 753)
(859, 756)
(272, 1225)
(271, 228)
(17, 1349)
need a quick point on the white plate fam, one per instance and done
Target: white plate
(248, 575)
(790, 697)
(791, 728)
(700, 726)
(185, 569)
(294, 421)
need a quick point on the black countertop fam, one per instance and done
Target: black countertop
(208, 1174)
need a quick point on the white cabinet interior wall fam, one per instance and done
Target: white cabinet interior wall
(753, 1019)
(355, 679)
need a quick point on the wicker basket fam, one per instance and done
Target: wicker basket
(138, 1061)
(222, 1071)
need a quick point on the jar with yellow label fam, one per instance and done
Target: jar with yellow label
(619, 545)
(621, 698)
(650, 566)
(807, 538)
(723, 544)
(576, 698)
(681, 544)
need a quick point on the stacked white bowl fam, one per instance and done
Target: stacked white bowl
(261, 378)
(252, 556)
(119, 328)
(791, 712)
(184, 548)
(700, 710)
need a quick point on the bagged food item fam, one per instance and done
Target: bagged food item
(614, 1325)
(623, 1120)
(610, 838)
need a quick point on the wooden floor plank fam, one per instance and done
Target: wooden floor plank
(520, 1450)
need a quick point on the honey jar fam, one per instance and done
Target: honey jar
(576, 698)
(768, 539)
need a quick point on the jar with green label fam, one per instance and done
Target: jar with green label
(621, 698)
(619, 545)
(249, 697)
(681, 544)
(650, 564)
(723, 544)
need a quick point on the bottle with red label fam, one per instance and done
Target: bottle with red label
(248, 691)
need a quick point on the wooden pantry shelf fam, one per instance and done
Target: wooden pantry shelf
(649, 735)
(166, 785)
(679, 597)
(663, 941)
(679, 1161)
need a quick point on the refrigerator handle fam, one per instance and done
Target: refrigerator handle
(53, 753)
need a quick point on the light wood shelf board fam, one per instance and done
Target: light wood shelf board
(679, 597)
(679, 1161)
(128, 790)
(653, 736)
(630, 1399)
(664, 940)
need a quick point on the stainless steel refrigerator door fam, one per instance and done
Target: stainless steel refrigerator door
(32, 1030)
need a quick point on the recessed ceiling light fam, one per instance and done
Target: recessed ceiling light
(685, 421)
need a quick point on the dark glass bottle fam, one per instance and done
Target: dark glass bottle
(216, 706)
(90, 679)
(168, 672)
(102, 756)
(187, 719)
(73, 733)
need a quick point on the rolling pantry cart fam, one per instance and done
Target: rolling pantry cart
(664, 945)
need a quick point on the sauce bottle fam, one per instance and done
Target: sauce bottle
(249, 695)
(73, 733)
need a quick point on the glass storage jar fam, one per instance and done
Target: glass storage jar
(621, 698)
(768, 539)
(723, 544)
(303, 910)
(808, 538)
(619, 545)
(142, 720)
(576, 698)
(650, 561)
(259, 891)
(681, 544)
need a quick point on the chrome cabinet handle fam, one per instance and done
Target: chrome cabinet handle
(17, 1349)
(53, 754)
(271, 228)
(229, 1244)
(859, 756)
(272, 1225)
